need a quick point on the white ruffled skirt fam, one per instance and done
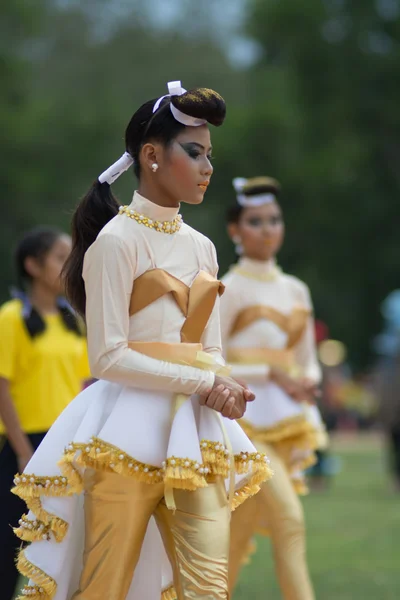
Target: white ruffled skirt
(138, 434)
(296, 429)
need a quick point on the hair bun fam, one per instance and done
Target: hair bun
(261, 185)
(202, 103)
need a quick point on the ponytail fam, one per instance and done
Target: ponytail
(94, 211)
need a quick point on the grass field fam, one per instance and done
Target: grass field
(353, 534)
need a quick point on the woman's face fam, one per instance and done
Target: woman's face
(185, 167)
(260, 230)
(47, 271)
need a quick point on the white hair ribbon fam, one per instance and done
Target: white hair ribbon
(116, 169)
(238, 184)
(257, 200)
(175, 89)
(246, 201)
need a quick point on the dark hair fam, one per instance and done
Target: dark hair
(253, 187)
(99, 205)
(37, 243)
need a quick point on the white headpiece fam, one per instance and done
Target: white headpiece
(246, 201)
(126, 160)
(175, 89)
(119, 167)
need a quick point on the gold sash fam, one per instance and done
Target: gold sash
(293, 324)
(181, 354)
(282, 358)
(196, 301)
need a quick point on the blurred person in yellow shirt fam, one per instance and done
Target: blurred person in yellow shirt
(43, 365)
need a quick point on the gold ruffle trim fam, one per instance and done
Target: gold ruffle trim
(181, 473)
(296, 463)
(45, 587)
(286, 428)
(293, 433)
(251, 487)
(169, 594)
(300, 487)
(36, 531)
(177, 472)
(30, 488)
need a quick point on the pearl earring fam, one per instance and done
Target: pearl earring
(154, 167)
(238, 244)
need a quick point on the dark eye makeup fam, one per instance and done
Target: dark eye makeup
(194, 150)
(257, 221)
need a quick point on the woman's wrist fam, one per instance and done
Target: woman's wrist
(22, 445)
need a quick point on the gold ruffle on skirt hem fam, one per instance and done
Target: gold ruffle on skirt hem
(169, 594)
(289, 435)
(179, 473)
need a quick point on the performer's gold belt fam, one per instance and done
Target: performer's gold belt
(190, 355)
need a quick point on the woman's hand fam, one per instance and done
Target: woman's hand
(227, 397)
(301, 390)
(311, 389)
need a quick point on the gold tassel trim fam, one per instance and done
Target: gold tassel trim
(286, 428)
(243, 494)
(215, 457)
(294, 433)
(296, 463)
(300, 487)
(33, 486)
(101, 455)
(30, 488)
(45, 587)
(185, 474)
(251, 461)
(32, 591)
(252, 486)
(169, 594)
(175, 472)
(36, 531)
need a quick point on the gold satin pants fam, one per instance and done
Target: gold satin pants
(196, 537)
(278, 506)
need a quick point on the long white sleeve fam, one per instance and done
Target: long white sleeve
(211, 338)
(109, 271)
(230, 307)
(305, 351)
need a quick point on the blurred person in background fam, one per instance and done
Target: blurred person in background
(268, 338)
(329, 353)
(43, 364)
(389, 414)
(387, 381)
(136, 467)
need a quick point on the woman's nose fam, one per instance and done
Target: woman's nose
(208, 168)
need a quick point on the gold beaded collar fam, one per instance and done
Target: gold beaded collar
(164, 226)
(270, 276)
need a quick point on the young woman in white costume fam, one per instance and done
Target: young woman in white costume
(155, 439)
(268, 336)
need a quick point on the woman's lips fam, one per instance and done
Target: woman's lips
(204, 185)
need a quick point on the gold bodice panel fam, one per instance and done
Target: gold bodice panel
(195, 301)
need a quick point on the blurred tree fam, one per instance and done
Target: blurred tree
(318, 111)
(74, 80)
(19, 26)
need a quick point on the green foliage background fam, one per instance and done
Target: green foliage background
(317, 109)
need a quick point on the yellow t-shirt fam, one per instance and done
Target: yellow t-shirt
(45, 372)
